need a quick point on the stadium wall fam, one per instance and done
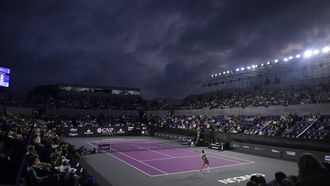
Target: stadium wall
(323, 109)
(308, 144)
(291, 154)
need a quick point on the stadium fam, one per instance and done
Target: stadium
(263, 122)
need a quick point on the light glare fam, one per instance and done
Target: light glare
(308, 53)
(326, 49)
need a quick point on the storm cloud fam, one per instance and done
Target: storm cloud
(160, 46)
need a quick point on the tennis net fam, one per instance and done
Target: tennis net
(142, 146)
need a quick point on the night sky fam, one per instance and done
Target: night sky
(160, 46)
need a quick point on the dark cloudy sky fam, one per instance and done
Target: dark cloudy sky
(160, 46)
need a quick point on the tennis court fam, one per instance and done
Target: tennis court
(139, 164)
(164, 158)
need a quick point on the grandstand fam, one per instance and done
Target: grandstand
(82, 134)
(267, 115)
(262, 124)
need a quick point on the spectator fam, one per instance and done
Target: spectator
(279, 176)
(312, 172)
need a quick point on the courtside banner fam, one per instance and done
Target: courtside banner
(92, 131)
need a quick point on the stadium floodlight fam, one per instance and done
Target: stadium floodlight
(223, 73)
(215, 75)
(326, 49)
(298, 56)
(268, 62)
(253, 66)
(219, 74)
(285, 59)
(248, 67)
(276, 61)
(237, 69)
(315, 52)
(308, 53)
(262, 64)
(212, 76)
(228, 72)
(290, 57)
(242, 68)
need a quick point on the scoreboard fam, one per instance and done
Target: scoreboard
(4, 77)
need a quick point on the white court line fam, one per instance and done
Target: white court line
(154, 151)
(159, 159)
(182, 172)
(123, 161)
(139, 162)
(225, 157)
(219, 156)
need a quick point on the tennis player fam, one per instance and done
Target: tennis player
(205, 161)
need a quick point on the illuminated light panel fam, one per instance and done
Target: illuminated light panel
(315, 52)
(308, 53)
(290, 57)
(242, 68)
(276, 61)
(237, 69)
(268, 63)
(326, 49)
(298, 56)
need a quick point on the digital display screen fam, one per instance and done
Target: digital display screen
(327, 158)
(4, 77)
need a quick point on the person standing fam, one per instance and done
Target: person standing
(205, 162)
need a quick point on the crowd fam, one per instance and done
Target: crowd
(93, 121)
(286, 125)
(311, 172)
(53, 98)
(259, 97)
(46, 158)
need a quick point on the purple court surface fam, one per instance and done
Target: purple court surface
(167, 161)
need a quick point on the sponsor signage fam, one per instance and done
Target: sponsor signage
(88, 132)
(104, 147)
(327, 158)
(130, 128)
(239, 179)
(105, 131)
(275, 151)
(73, 132)
(92, 131)
(121, 131)
(291, 153)
(246, 147)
